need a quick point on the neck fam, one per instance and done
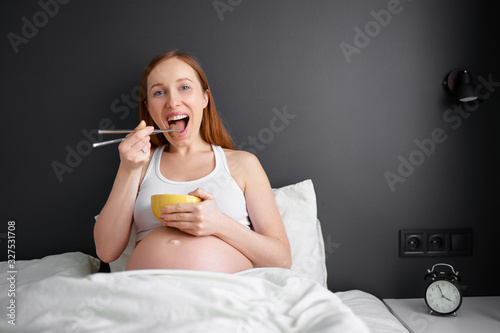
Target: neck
(197, 146)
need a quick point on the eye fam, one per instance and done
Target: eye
(158, 93)
(185, 87)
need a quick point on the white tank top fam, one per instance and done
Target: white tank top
(228, 195)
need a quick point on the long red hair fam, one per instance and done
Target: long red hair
(212, 129)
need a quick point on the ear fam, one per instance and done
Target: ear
(205, 99)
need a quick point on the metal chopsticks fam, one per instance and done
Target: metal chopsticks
(105, 143)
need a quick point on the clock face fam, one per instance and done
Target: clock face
(443, 297)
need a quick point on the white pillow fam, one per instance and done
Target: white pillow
(74, 264)
(297, 206)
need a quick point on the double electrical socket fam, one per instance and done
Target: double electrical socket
(435, 242)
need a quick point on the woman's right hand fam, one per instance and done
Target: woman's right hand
(134, 150)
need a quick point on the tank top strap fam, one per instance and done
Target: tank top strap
(220, 158)
(157, 155)
(155, 161)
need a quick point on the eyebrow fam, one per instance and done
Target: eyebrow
(178, 80)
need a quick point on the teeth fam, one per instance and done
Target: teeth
(173, 118)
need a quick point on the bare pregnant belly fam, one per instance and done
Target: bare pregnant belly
(170, 248)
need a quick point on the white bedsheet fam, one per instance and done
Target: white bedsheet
(372, 311)
(258, 300)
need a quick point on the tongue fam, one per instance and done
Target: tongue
(179, 124)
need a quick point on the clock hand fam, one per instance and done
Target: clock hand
(442, 295)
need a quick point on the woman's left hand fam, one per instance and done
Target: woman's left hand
(198, 219)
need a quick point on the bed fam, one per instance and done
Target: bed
(67, 293)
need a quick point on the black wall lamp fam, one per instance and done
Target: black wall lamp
(460, 84)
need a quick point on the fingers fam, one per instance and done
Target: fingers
(135, 148)
(140, 137)
(141, 134)
(180, 209)
(198, 219)
(202, 194)
(182, 220)
(141, 125)
(138, 142)
(177, 217)
(189, 213)
(195, 229)
(185, 223)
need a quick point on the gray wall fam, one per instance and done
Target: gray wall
(352, 116)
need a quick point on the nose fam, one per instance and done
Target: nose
(174, 99)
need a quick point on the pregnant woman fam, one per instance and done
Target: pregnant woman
(235, 227)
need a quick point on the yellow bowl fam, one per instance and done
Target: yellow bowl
(158, 201)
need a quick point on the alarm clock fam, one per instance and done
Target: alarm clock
(443, 295)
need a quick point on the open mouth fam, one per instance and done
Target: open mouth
(179, 122)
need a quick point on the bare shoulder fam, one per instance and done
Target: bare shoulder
(241, 160)
(242, 165)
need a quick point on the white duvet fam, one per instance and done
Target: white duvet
(258, 300)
